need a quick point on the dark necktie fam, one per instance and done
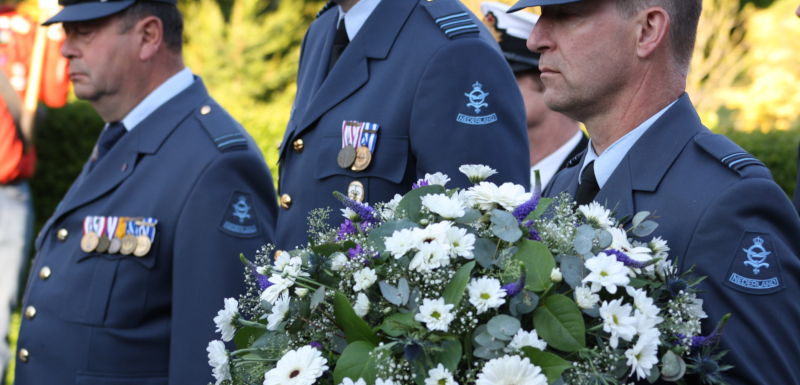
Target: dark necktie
(340, 41)
(588, 187)
(110, 136)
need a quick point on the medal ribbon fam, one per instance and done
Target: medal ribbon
(351, 133)
(370, 136)
(111, 227)
(97, 225)
(121, 227)
(147, 226)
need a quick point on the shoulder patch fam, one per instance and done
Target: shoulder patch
(756, 267)
(453, 19)
(732, 156)
(240, 216)
(330, 4)
(221, 127)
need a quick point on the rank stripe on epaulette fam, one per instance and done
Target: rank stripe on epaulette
(228, 140)
(445, 22)
(725, 159)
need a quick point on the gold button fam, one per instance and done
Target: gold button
(298, 145)
(23, 355)
(286, 201)
(205, 110)
(44, 273)
(62, 234)
(30, 312)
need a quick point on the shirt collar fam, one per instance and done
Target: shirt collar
(607, 162)
(550, 164)
(166, 91)
(355, 18)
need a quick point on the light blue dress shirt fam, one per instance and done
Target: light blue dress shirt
(355, 18)
(173, 86)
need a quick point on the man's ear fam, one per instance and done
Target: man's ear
(151, 32)
(653, 30)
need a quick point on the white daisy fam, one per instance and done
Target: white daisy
(523, 339)
(381, 381)
(348, 213)
(431, 255)
(643, 355)
(364, 278)
(437, 178)
(361, 306)
(401, 242)
(279, 286)
(658, 247)
(348, 381)
(620, 242)
(297, 367)
(338, 261)
(218, 359)
(482, 195)
(486, 293)
(435, 313)
(643, 304)
(585, 298)
(477, 172)
(617, 321)
(444, 206)
(279, 309)
(555, 275)
(596, 215)
(696, 307)
(510, 195)
(461, 243)
(300, 292)
(511, 370)
(606, 272)
(226, 317)
(440, 376)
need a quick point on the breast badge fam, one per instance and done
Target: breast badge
(118, 235)
(358, 145)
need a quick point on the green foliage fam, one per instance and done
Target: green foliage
(454, 290)
(539, 263)
(355, 329)
(560, 323)
(356, 362)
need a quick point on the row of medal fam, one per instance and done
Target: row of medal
(358, 145)
(123, 235)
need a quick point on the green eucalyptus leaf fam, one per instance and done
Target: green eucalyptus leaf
(411, 203)
(551, 364)
(399, 324)
(470, 216)
(645, 229)
(559, 322)
(391, 293)
(484, 252)
(673, 368)
(539, 263)
(523, 303)
(356, 362)
(503, 327)
(354, 328)
(604, 238)
(455, 289)
(317, 297)
(544, 204)
(505, 226)
(486, 354)
(572, 269)
(639, 218)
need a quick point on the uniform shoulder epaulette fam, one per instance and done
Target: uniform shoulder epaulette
(327, 6)
(731, 155)
(221, 127)
(451, 17)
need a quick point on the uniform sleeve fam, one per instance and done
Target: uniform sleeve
(468, 110)
(747, 244)
(231, 210)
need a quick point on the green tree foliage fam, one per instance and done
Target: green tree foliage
(248, 53)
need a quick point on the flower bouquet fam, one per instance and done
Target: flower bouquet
(489, 285)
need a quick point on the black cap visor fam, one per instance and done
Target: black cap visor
(537, 3)
(89, 11)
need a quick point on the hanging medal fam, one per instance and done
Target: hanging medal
(366, 146)
(129, 239)
(111, 232)
(90, 239)
(351, 138)
(146, 233)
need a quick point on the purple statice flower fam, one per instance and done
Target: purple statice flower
(355, 252)
(367, 213)
(700, 341)
(346, 228)
(514, 288)
(625, 259)
(420, 183)
(533, 234)
(316, 345)
(522, 211)
(263, 281)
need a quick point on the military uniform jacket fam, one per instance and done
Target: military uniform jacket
(433, 81)
(114, 319)
(720, 211)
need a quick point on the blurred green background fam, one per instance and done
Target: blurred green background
(745, 81)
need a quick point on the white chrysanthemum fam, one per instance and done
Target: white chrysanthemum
(617, 321)
(338, 261)
(440, 376)
(348, 381)
(487, 196)
(435, 314)
(444, 206)
(361, 306)
(461, 243)
(431, 255)
(482, 195)
(278, 313)
(218, 359)
(364, 279)
(401, 242)
(511, 195)
(523, 339)
(596, 215)
(620, 242)
(348, 213)
(437, 178)
(696, 307)
(282, 260)
(300, 292)
(643, 356)
(585, 298)
(279, 286)
(659, 248)
(511, 370)
(477, 172)
(555, 275)
(225, 319)
(606, 272)
(381, 381)
(298, 367)
(389, 208)
(485, 293)
(643, 303)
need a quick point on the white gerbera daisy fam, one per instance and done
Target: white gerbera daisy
(401, 242)
(482, 195)
(440, 376)
(486, 293)
(437, 178)
(585, 298)
(226, 317)
(435, 314)
(431, 255)
(338, 261)
(523, 339)
(461, 243)
(297, 367)
(510, 195)
(596, 215)
(361, 306)
(218, 359)
(348, 381)
(511, 370)
(444, 206)
(279, 309)
(606, 272)
(617, 321)
(643, 355)
(364, 279)
(477, 172)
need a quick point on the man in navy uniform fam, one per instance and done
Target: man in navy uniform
(145, 245)
(620, 68)
(387, 91)
(554, 138)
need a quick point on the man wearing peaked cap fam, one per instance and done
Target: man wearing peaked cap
(554, 138)
(388, 91)
(620, 68)
(141, 252)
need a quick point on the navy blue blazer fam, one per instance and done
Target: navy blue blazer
(719, 210)
(440, 92)
(116, 319)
